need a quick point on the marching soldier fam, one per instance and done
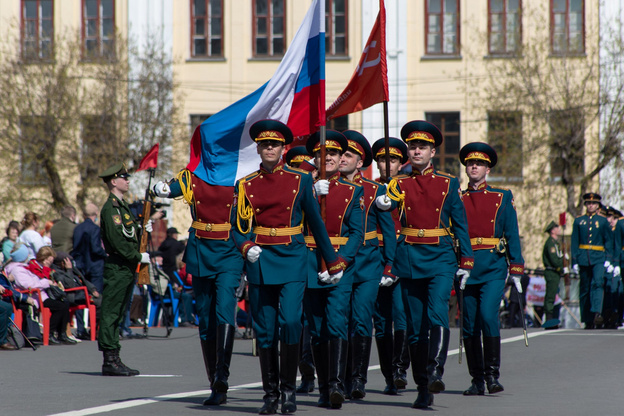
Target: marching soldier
(429, 202)
(618, 261)
(389, 314)
(552, 257)
(269, 219)
(326, 300)
(120, 234)
(592, 251)
(298, 157)
(613, 285)
(373, 267)
(216, 265)
(493, 228)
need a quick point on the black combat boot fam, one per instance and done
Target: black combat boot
(269, 365)
(438, 349)
(320, 352)
(224, 345)
(474, 359)
(419, 354)
(360, 357)
(128, 369)
(384, 350)
(111, 366)
(289, 358)
(337, 363)
(491, 358)
(400, 359)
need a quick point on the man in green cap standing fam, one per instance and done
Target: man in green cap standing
(552, 256)
(120, 234)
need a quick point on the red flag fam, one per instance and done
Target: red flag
(150, 161)
(562, 219)
(369, 82)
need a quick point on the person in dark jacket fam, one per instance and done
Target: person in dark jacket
(88, 251)
(171, 248)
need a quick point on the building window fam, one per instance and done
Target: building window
(567, 143)
(196, 120)
(37, 29)
(442, 27)
(567, 26)
(505, 136)
(446, 158)
(33, 149)
(269, 27)
(207, 28)
(98, 28)
(336, 27)
(339, 123)
(504, 26)
(98, 141)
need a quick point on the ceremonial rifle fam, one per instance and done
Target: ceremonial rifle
(503, 248)
(144, 278)
(566, 272)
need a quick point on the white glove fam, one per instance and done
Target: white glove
(321, 187)
(462, 275)
(162, 190)
(566, 270)
(149, 227)
(608, 266)
(576, 269)
(616, 271)
(335, 278)
(383, 202)
(387, 281)
(516, 280)
(145, 258)
(324, 277)
(253, 254)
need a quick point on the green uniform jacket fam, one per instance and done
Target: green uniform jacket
(594, 232)
(552, 256)
(120, 232)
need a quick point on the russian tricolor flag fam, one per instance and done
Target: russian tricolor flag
(222, 150)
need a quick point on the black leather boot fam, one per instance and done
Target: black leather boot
(337, 362)
(419, 355)
(306, 364)
(209, 352)
(125, 367)
(320, 352)
(289, 358)
(384, 350)
(111, 366)
(360, 354)
(491, 358)
(224, 345)
(269, 366)
(400, 359)
(438, 349)
(474, 359)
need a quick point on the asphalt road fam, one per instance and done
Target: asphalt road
(563, 372)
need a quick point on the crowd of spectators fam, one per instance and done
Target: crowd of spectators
(39, 263)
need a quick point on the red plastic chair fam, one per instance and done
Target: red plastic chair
(44, 314)
(88, 305)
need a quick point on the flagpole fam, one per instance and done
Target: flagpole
(322, 168)
(386, 140)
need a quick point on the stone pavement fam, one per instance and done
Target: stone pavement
(563, 372)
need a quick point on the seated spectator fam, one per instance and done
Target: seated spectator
(159, 285)
(29, 235)
(6, 309)
(70, 277)
(12, 232)
(25, 279)
(23, 302)
(170, 248)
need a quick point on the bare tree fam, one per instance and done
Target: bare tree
(66, 118)
(571, 109)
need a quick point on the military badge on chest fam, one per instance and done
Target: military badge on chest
(117, 219)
